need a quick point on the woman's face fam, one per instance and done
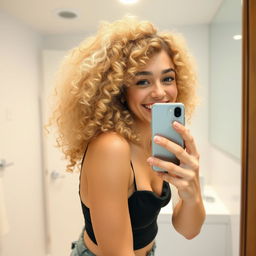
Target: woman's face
(154, 83)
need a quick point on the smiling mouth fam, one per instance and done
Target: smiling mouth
(149, 106)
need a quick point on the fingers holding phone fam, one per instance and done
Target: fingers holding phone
(188, 139)
(184, 158)
(171, 140)
(175, 156)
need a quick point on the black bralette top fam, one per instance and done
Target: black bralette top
(144, 208)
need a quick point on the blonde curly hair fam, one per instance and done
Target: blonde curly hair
(92, 79)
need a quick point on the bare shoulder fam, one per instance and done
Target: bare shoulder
(108, 160)
(111, 142)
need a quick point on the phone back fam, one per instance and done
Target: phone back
(163, 115)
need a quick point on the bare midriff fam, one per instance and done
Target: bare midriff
(95, 250)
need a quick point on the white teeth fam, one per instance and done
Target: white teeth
(148, 106)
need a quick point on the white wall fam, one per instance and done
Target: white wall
(20, 138)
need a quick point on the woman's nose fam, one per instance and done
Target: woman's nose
(158, 91)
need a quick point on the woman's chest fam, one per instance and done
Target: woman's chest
(143, 177)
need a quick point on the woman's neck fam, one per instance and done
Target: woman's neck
(144, 133)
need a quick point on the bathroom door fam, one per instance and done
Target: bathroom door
(63, 213)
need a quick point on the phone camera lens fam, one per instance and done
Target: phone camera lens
(177, 112)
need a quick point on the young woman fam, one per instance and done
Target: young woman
(106, 89)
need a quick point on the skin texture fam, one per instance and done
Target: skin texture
(151, 86)
(107, 177)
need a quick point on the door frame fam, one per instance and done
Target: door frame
(248, 188)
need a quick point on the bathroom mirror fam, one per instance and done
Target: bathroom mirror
(225, 90)
(218, 164)
(216, 125)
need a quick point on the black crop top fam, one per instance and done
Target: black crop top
(144, 207)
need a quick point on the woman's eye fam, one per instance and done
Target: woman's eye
(168, 79)
(142, 82)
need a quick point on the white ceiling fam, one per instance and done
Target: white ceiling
(164, 13)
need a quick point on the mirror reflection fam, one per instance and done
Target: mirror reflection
(31, 56)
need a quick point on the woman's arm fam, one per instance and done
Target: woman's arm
(108, 175)
(189, 213)
(188, 218)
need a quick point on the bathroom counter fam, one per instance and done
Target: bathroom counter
(214, 207)
(214, 238)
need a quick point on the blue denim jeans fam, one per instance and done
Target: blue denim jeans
(79, 248)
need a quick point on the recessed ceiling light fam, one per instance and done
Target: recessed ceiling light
(128, 1)
(237, 37)
(67, 13)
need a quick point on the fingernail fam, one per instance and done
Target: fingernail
(176, 124)
(157, 138)
(150, 160)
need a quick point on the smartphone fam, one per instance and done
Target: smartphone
(163, 115)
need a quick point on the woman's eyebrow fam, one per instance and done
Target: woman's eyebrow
(148, 73)
(168, 70)
(143, 73)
